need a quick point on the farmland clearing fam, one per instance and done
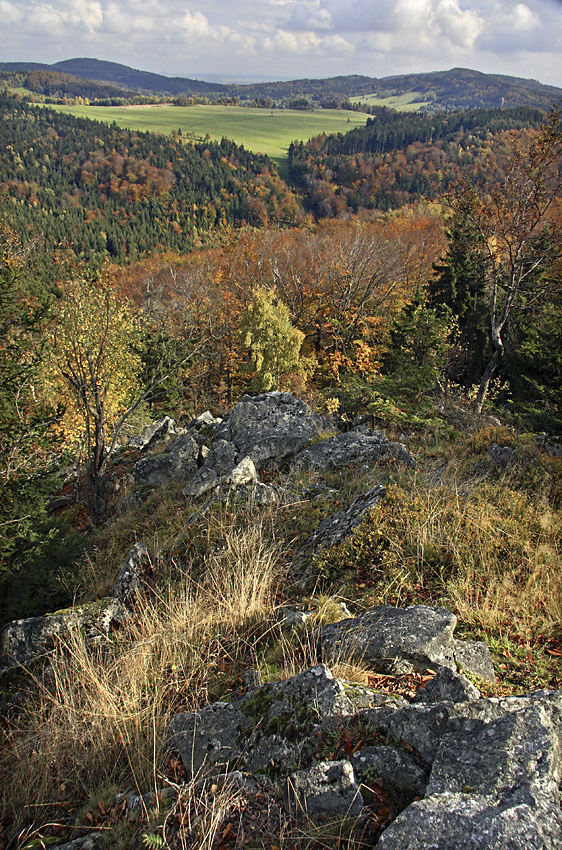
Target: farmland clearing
(268, 131)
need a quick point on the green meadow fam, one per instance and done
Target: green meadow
(403, 103)
(260, 130)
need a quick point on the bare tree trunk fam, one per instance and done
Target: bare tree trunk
(486, 378)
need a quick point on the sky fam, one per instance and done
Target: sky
(288, 39)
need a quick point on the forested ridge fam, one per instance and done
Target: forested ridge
(458, 88)
(118, 193)
(398, 157)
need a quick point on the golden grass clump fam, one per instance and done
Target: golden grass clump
(97, 716)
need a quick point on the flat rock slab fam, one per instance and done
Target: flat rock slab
(394, 640)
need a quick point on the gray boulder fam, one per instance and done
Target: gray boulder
(328, 787)
(273, 426)
(447, 686)
(133, 575)
(394, 640)
(353, 447)
(263, 729)
(474, 657)
(177, 463)
(21, 641)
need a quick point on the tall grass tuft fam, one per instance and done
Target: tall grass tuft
(96, 717)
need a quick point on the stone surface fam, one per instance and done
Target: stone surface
(420, 726)
(177, 463)
(517, 752)
(474, 657)
(447, 686)
(463, 822)
(23, 640)
(353, 447)
(328, 787)
(264, 728)
(339, 525)
(396, 768)
(272, 425)
(394, 640)
(133, 575)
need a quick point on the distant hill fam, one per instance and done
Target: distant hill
(459, 88)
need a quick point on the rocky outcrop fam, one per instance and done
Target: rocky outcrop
(21, 641)
(403, 640)
(455, 771)
(353, 447)
(267, 429)
(133, 577)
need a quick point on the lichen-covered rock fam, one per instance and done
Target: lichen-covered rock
(273, 425)
(133, 575)
(177, 463)
(453, 821)
(353, 447)
(339, 525)
(394, 640)
(23, 640)
(395, 767)
(263, 729)
(474, 657)
(327, 787)
(447, 686)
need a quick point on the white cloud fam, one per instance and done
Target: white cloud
(9, 12)
(87, 13)
(292, 38)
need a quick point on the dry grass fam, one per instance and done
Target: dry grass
(491, 554)
(98, 716)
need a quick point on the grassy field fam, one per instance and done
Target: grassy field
(259, 130)
(403, 103)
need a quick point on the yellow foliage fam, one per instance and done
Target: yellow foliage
(94, 368)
